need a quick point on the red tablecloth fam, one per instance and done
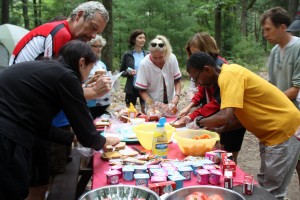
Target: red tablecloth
(99, 166)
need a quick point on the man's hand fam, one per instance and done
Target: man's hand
(102, 85)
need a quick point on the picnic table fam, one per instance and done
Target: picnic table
(99, 177)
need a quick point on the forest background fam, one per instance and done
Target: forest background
(235, 24)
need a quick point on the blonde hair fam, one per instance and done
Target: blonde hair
(204, 42)
(166, 49)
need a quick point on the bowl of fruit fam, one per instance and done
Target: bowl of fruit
(204, 193)
(196, 142)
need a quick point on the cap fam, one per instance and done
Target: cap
(295, 25)
(161, 122)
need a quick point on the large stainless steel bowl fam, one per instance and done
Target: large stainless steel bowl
(208, 190)
(120, 192)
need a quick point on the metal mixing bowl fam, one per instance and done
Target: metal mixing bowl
(120, 192)
(208, 190)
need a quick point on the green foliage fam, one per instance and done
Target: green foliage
(249, 54)
(176, 19)
(154, 17)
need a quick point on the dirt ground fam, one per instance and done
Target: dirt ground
(248, 159)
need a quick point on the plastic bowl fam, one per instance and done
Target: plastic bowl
(208, 190)
(191, 147)
(120, 192)
(144, 133)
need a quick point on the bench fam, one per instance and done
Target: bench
(72, 183)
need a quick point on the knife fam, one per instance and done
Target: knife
(138, 150)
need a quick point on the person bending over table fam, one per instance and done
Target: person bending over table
(209, 97)
(31, 94)
(158, 78)
(84, 22)
(265, 111)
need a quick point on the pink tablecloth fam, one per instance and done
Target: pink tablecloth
(99, 166)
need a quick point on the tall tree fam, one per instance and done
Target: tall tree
(25, 13)
(5, 12)
(35, 13)
(244, 18)
(292, 8)
(218, 18)
(107, 54)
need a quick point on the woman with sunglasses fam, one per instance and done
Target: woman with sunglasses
(130, 65)
(158, 78)
(209, 97)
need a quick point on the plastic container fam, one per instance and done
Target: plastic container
(144, 133)
(132, 111)
(160, 140)
(191, 147)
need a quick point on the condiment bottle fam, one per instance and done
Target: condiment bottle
(160, 139)
(131, 111)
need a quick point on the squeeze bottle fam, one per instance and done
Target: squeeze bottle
(131, 111)
(160, 140)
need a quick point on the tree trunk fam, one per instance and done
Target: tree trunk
(244, 18)
(107, 53)
(218, 25)
(292, 8)
(35, 14)
(5, 11)
(25, 13)
(39, 10)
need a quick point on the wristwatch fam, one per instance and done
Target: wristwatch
(198, 119)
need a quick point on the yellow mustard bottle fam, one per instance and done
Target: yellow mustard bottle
(132, 111)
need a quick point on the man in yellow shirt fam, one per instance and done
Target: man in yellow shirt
(249, 100)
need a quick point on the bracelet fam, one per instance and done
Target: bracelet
(177, 95)
(198, 119)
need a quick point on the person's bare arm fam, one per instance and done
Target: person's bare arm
(292, 92)
(177, 85)
(145, 96)
(98, 88)
(223, 121)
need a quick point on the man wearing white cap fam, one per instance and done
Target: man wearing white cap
(284, 61)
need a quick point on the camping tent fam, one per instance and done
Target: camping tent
(9, 37)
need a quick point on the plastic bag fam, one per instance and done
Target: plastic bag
(87, 152)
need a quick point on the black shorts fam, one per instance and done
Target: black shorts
(15, 166)
(233, 140)
(132, 98)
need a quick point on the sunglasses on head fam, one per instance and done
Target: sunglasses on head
(154, 44)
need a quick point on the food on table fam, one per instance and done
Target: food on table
(110, 155)
(120, 146)
(128, 152)
(194, 150)
(203, 196)
(153, 114)
(101, 124)
(203, 136)
(215, 197)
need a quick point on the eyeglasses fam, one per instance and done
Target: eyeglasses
(195, 79)
(97, 46)
(154, 44)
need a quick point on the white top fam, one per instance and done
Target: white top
(150, 77)
(105, 99)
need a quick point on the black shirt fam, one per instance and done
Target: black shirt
(32, 93)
